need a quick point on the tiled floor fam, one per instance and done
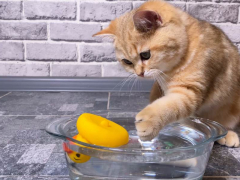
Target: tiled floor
(27, 152)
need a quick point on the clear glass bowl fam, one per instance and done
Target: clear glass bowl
(180, 151)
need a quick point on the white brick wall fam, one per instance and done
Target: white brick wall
(54, 37)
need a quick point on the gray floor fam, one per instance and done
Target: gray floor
(27, 152)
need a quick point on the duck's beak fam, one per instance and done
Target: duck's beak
(66, 148)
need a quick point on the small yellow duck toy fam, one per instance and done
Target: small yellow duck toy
(73, 155)
(98, 131)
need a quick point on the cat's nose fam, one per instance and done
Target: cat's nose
(141, 74)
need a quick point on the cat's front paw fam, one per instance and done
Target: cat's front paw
(148, 123)
(230, 140)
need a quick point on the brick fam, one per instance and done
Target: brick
(114, 70)
(23, 31)
(97, 52)
(11, 51)
(230, 1)
(74, 32)
(24, 69)
(125, 0)
(76, 70)
(10, 10)
(231, 30)
(200, 0)
(105, 25)
(219, 1)
(239, 14)
(183, 0)
(180, 5)
(49, 10)
(103, 11)
(53, 52)
(137, 4)
(214, 12)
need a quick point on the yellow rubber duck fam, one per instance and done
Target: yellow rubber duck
(73, 155)
(98, 131)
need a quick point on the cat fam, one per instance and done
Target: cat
(194, 64)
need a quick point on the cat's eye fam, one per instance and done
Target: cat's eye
(127, 62)
(145, 55)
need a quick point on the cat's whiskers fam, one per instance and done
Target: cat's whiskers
(159, 80)
(136, 79)
(164, 74)
(163, 85)
(132, 79)
(163, 80)
(125, 80)
(152, 75)
(162, 77)
(157, 76)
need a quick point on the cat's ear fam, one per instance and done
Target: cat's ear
(105, 35)
(106, 31)
(146, 21)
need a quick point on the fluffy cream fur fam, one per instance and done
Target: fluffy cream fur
(194, 62)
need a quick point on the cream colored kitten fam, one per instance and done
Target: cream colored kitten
(194, 62)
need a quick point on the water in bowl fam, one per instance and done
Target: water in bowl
(184, 165)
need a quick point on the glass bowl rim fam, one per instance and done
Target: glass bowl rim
(214, 136)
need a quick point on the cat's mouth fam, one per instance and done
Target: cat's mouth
(145, 77)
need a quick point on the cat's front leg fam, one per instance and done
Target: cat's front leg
(230, 140)
(148, 122)
(175, 105)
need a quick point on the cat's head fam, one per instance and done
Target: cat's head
(149, 39)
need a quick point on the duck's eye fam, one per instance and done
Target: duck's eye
(145, 55)
(127, 62)
(78, 155)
